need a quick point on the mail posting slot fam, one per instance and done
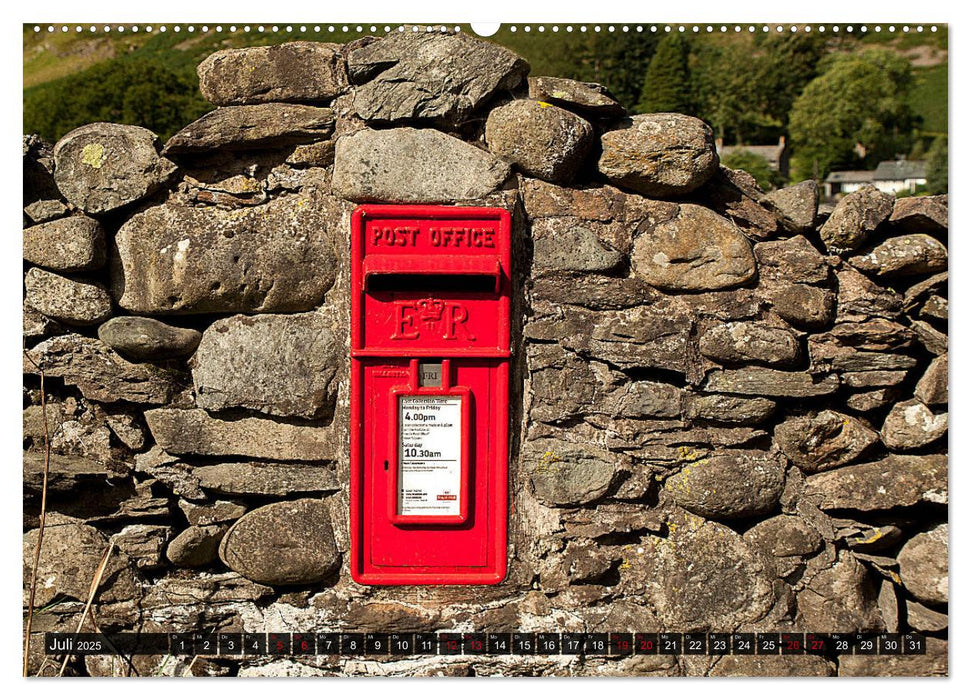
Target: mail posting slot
(430, 296)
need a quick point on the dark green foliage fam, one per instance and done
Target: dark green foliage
(125, 91)
(745, 91)
(756, 166)
(937, 166)
(617, 60)
(858, 99)
(667, 85)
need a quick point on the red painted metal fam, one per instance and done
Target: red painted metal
(429, 284)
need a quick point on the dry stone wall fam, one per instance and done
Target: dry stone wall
(729, 408)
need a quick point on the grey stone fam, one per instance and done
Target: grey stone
(147, 339)
(749, 341)
(867, 380)
(659, 155)
(730, 485)
(540, 139)
(920, 214)
(44, 210)
(932, 387)
(71, 244)
(144, 544)
(567, 245)
(280, 365)
(935, 308)
(923, 565)
(282, 544)
(69, 301)
(644, 399)
(252, 127)
(860, 297)
(585, 562)
(413, 165)
(319, 154)
(67, 474)
(772, 667)
(170, 470)
(873, 334)
(642, 336)
(37, 325)
(69, 559)
(564, 473)
(911, 425)
(851, 360)
(735, 195)
(757, 381)
(585, 98)
(932, 339)
(430, 76)
(824, 440)
(697, 250)
(102, 167)
(194, 432)
(872, 400)
(855, 219)
(100, 373)
(737, 410)
(795, 205)
(259, 479)
(196, 546)
(702, 576)
(278, 257)
(785, 536)
(299, 71)
(894, 481)
(791, 261)
(211, 513)
(923, 619)
(839, 596)
(915, 254)
(803, 306)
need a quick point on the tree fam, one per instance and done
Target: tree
(937, 166)
(756, 166)
(125, 91)
(667, 84)
(857, 99)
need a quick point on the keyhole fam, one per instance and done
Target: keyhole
(385, 465)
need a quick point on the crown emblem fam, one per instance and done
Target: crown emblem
(430, 312)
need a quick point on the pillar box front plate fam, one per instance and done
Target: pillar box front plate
(430, 301)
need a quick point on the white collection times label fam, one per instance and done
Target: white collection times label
(429, 455)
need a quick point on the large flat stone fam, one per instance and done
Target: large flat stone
(697, 250)
(895, 481)
(70, 301)
(70, 244)
(266, 479)
(413, 165)
(277, 257)
(541, 139)
(584, 98)
(282, 544)
(281, 365)
(100, 373)
(299, 71)
(564, 473)
(430, 76)
(758, 381)
(659, 155)
(102, 167)
(195, 432)
(252, 127)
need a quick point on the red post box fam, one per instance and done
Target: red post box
(430, 300)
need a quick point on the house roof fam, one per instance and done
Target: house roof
(773, 152)
(900, 170)
(841, 176)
